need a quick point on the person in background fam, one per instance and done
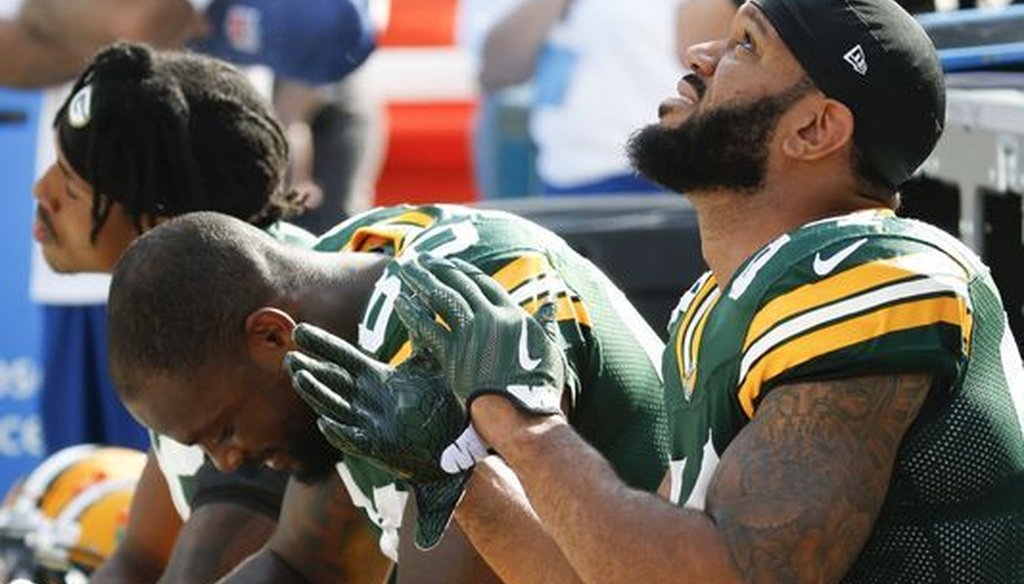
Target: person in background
(569, 49)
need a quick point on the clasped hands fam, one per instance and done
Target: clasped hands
(413, 419)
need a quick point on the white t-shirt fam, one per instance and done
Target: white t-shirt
(602, 74)
(45, 285)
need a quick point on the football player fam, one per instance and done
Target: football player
(202, 311)
(845, 396)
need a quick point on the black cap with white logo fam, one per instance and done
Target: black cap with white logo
(875, 58)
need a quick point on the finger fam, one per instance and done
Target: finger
(436, 502)
(346, 438)
(321, 344)
(435, 295)
(458, 280)
(424, 331)
(323, 400)
(333, 376)
(490, 288)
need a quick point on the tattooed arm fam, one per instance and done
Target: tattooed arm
(793, 499)
(321, 537)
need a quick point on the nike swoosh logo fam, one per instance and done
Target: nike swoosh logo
(525, 361)
(824, 267)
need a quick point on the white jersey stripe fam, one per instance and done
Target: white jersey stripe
(844, 308)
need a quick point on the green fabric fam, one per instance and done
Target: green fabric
(877, 295)
(513, 355)
(401, 418)
(609, 349)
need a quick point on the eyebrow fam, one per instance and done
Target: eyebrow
(69, 179)
(63, 169)
(754, 15)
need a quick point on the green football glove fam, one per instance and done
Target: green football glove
(401, 418)
(490, 345)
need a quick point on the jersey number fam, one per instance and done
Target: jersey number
(444, 242)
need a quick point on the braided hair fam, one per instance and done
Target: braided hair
(167, 133)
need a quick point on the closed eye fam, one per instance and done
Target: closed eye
(226, 433)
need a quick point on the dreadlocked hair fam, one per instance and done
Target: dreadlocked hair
(167, 133)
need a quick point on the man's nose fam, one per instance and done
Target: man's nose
(43, 195)
(703, 58)
(227, 458)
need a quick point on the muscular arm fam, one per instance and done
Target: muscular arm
(216, 537)
(321, 538)
(793, 499)
(30, 61)
(454, 559)
(83, 26)
(496, 516)
(153, 524)
(52, 40)
(513, 44)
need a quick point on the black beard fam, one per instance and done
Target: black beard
(725, 148)
(315, 458)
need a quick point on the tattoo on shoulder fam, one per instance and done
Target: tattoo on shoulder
(330, 538)
(798, 491)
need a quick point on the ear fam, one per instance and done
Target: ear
(817, 127)
(268, 336)
(152, 221)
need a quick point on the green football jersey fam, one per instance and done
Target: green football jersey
(866, 294)
(612, 351)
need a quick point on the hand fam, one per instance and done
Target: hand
(401, 418)
(490, 345)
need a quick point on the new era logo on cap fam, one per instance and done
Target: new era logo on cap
(856, 58)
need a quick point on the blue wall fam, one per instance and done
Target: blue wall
(21, 442)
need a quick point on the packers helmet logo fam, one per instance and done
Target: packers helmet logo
(80, 109)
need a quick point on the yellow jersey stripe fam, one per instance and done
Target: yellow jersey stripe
(417, 218)
(404, 352)
(694, 308)
(845, 285)
(371, 238)
(846, 333)
(566, 309)
(698, 334)
(521, 269)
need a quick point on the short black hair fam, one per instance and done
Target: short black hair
(870, 183)
(181, 293)
(166, 132)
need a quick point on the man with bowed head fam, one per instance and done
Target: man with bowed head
(201, 314)
(844, 395)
